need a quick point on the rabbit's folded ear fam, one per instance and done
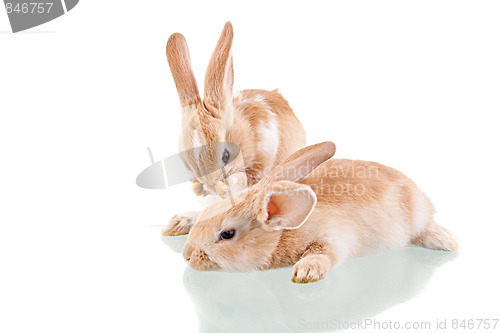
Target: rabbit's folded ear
(219, 76)
(284, 205)
(301, 163)
(180, 66)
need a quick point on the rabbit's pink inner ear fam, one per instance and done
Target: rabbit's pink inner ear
(286, 205)
(272, 209)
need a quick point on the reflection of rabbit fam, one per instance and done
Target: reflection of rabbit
(259, 122)
(314, 217)
(358, 290)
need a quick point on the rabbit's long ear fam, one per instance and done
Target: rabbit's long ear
(219, 76)
(301, 163)
(284, 205)
(180, 66)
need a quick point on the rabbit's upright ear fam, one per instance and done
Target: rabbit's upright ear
(284, 205)
(301, 163)
(219, 76)
(180, 66)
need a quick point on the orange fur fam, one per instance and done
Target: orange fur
(222, 117)
(259, 122)
(358, 208)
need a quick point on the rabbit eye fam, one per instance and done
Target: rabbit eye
(225, 156)
(228, 234)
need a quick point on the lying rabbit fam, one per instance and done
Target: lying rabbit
(314, 215)
(257, 125)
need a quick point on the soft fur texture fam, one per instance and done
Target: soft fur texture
(259, 122)
(314, 212)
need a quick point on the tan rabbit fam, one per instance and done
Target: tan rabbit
(314, 215)
(259, 126)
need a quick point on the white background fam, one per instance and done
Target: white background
(412, 84)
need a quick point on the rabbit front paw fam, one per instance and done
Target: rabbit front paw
(198, 188)
(311, 268)
(223, 188)
(178, 225)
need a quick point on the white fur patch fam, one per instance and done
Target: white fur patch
(196, 140)
(259, 98)
(268, 130)
(187, 112)
(196, 145)
(270, 137)
(345, 243)
(422, 212)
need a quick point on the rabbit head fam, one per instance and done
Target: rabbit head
(204, 122)
(241, 233)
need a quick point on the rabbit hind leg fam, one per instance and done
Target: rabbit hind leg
(435, 237)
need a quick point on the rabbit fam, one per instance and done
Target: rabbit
(314, 212)
(242, 137)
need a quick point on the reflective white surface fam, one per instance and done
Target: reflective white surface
(267, 302)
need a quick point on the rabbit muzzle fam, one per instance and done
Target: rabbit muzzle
(198, 259)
